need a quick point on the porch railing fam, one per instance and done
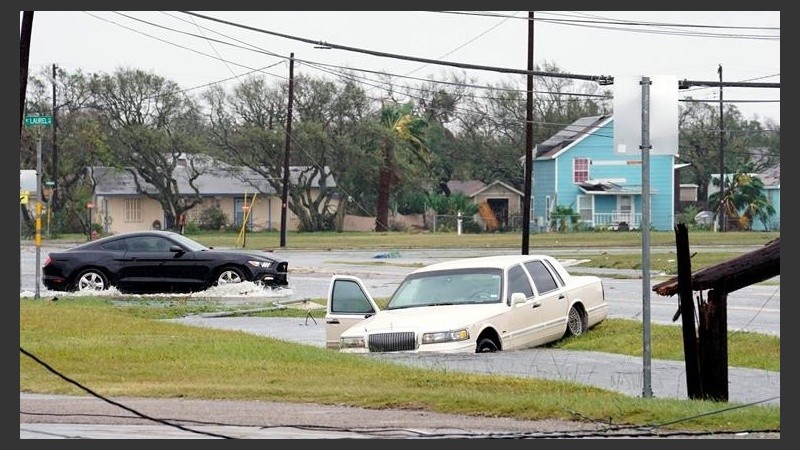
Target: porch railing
(613, 220)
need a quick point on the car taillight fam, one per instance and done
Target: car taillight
(47, 261)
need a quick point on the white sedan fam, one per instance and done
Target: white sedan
(482, 304)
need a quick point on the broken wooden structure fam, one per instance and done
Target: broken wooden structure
(706, 353)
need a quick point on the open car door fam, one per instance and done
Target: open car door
(348, 303)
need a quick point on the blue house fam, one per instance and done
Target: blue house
(772, 190)
(578, 168)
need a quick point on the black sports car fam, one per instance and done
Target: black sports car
(157, 261)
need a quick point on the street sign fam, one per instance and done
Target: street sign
(38, 120)
(23, 197)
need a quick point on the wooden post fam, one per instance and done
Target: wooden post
(714, 345)
(694, 385)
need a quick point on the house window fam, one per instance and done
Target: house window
(133, 210)
(585, 207)
(580, 170)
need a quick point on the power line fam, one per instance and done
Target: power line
(588, 24)
(602, 79)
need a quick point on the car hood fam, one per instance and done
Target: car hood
(256, 254)
(426, 318)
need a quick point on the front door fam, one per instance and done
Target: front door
(625, 210)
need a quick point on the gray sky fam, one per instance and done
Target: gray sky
(684, 44)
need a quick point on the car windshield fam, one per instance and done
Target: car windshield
(189, 243)
(448, 287)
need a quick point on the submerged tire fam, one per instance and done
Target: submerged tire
(486, 345)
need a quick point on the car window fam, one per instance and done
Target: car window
(448, 287)
(148, 244)
(160, 244)
(518, 281)
(542, 278)
(118, 245)
(347, 297)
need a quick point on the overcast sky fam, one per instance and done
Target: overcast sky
(684, 44)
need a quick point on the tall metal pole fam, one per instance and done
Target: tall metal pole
(285, 195)
(647, 390)
(526, 207)
(721, 156)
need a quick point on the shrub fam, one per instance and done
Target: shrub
(212, 218)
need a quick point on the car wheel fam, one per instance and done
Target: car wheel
(229, 275)
(575, 324)
(91, 280)
(486, 345)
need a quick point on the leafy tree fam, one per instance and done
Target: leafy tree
(248, 128)
(80, 143)
(743, 200)
(744, 142)
(404, 134)
(150, 127)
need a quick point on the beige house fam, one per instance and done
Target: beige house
(119, 208)
(500, 204)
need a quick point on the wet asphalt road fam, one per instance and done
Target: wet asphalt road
(754, 308)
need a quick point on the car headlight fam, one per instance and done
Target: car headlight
(259, 263)
(445, 336)
(352, 342)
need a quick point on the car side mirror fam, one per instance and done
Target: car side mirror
(518, 297)
(175, 248)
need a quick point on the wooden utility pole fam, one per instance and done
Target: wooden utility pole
(24, 54)
(526, 203)
(694, 385)
(285, 194)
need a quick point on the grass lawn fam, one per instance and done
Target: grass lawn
(127, 351)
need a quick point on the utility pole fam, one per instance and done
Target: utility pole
(24, 55)
(721, 156)
(285, 195)
(54, 196)
(526, 207)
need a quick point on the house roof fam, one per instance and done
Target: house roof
(569, 135)
(220, 179)
(466, 187)
(493, 183)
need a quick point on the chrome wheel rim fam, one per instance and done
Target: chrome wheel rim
(229, 276)
(91, 281)
(575, 322)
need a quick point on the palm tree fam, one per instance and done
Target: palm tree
(744, 200)
(405, 132)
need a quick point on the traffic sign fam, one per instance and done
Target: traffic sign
(23, 197)
(38, 120)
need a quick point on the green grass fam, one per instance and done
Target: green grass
(406, 240)
(122, 349)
